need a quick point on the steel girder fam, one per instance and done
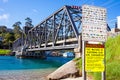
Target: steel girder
(59, 29)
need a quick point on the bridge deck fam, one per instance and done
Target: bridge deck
(55, 48)
(62, 41)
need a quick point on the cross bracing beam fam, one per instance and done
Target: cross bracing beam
(64, 24)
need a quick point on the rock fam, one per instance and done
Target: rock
(67, 70)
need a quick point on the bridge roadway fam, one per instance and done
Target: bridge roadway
(59, 45)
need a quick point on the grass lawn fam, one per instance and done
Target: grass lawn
(4, 51)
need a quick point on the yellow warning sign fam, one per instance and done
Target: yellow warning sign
(94, 58)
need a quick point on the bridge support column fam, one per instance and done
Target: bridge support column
(77, 52)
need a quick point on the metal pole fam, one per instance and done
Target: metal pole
(103, 74)
(83, 61)
(22, 39)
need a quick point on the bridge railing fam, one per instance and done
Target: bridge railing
(17, 44)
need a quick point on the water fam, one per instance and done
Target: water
(12, 68)
(13, 63)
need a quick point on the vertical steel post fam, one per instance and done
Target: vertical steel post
(53, 35)
(39, 35)
(30, 38)
(103, 74)
(83, 61)
(45, 30)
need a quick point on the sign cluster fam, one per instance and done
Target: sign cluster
(93, 23)
(94, 34)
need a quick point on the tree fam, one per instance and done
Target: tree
(17, 29)
(3, 30)
(28, 22)
(1, 44)
(8, 39)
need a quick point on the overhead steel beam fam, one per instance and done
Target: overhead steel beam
(72, 23)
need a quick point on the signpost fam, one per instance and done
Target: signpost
(94, 30)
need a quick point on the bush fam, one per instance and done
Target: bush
(4, 51)
(113, 58)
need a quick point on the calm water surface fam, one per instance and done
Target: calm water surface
(12, 68)
(13, 63)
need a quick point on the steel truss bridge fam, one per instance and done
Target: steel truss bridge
(61, 30)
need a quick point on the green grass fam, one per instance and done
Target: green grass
(4, 51)
(78, 63)
(112, 60)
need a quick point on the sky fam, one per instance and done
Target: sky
(12, 11)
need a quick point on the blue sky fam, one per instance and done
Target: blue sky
(12, 11)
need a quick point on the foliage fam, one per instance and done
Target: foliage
(3, 29)
(78, 63)
(28, 22)
(112, 60)
(8, 39)
(4, 51)
(17, 29)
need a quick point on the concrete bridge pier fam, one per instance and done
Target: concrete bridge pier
(42, 54)
(32, 54)
(36, 54)
(78, 51)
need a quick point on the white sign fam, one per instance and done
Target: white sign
(94, 27)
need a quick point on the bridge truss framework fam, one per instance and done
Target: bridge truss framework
(61, 30)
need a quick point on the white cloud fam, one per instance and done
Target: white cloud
(34, 10)
(5, 1)
(112, 20)
(4, 17)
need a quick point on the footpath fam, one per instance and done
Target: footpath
(79, 78)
